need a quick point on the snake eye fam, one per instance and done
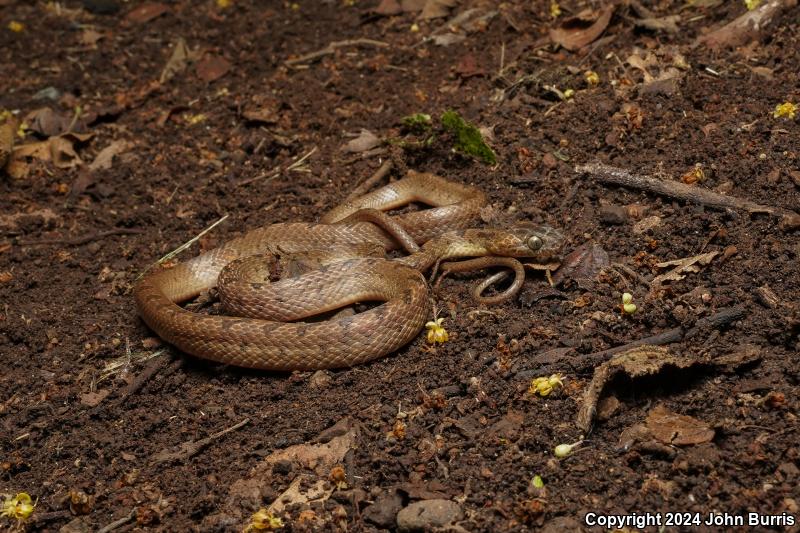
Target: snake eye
(534, 242)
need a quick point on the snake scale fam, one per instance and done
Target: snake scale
(269, 332)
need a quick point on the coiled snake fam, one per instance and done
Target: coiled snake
(267, 333)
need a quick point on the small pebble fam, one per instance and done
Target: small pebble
(428, 514)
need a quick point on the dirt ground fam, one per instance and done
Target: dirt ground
(156, 120)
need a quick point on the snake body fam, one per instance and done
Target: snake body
(275, 340)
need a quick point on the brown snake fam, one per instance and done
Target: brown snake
(274, 340)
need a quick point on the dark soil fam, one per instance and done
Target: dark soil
(85, 443)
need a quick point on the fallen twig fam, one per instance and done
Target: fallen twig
(294, 165)
(748, 26)
(675, 189)
(118, 523)
(183, 246)
(86, 238)
(191, 448)
(584, 362)
(144, 376)
(331, 48)
(371, 181)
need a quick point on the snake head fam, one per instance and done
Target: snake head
(540, 243)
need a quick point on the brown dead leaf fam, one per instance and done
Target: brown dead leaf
(683, 267)
(434, 9)
(311, 491)
(212, 67)
(58, 150)
(177, 62)
(640, 361)
(582, 265)
(48, 122)
(262, 109)
(648, 19)
(412, 6)
(6, 276)
(578, 31)
(318, 457)
(388, 8)
(146, 12)
(365, 141)
(105, 158)
(677, 430)
(667, 24)
(90, 37)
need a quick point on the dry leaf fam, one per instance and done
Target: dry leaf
(434, 9)
(582, 265)
(684, 266)
(47, 217)
(177, 61)
(105, 158)
(677, 430)
(212, 67)
(263, 109)
(388, 8)
(49, 123)
(146, 12)
(668, 24)
(412, 6)
(59, 150)
(366, 141)
(578, 31)
(90, 37)
(640, 361)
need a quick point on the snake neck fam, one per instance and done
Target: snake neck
(450, 245)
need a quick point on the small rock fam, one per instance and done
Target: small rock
(320, 379)
(561, 523)
(612, 214)
(384, 511)
(427, 514)
(789, 470)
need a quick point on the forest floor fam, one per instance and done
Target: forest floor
(136, 126)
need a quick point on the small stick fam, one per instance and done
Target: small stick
(183, 246)
(295, 165)
(619, 176)
(748, 26)
(331, 48)
(118, 523)
(581, 363)
(144, 376)
(191, 448)
(371, 181)
(77, 241)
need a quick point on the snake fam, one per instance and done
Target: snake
(270, 323)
